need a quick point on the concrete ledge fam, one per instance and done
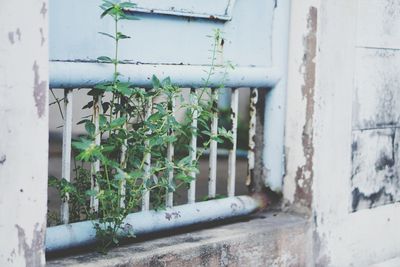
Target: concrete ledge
(268, 239)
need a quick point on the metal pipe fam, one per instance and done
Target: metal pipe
(83, 233)
(66, 151)
(193, 98)
(275, 101)
(212, 175)
(87, 74)
(232, 151)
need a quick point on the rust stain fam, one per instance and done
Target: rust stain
(39, 91)
(305, 173)
(33, 253)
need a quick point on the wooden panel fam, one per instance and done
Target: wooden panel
(377, 89)
(378, 23)
(375, 174)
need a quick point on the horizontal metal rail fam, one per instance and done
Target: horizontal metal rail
(68, 74)
(83, 233)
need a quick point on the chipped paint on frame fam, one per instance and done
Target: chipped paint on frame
(304, 173)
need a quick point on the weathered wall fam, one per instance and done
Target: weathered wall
(23, 131)
(341, 142)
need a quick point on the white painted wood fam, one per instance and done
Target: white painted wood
(66, 151)
(212, 180)
(193, 145)
(147, 161)
(252, 134)
(343, 238)
(232, 151)
(24, 136)
(378, 24)
(376, 99)
(183, 40)
(95, 166)
(170, 157)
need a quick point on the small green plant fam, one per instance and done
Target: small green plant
(131, 126)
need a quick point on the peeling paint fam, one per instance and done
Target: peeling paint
(18, 33)
(43, 10)
(42, 40)
(305, 173)
(34, 252)
(39, 91)
(11, 37)
(3, 159)
(375, 178)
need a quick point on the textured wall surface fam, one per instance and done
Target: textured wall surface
(341, 128)
(23, 131)
(375, 177)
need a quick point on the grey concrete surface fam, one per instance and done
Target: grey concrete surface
(268, 239)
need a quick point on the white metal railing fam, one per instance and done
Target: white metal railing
(81, 233)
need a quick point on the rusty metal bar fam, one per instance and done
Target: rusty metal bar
(145, 222)
(193, 145)
(212, 181)
(66, 151)
(147, 161)
(252, 134)
(169, 201)
(232, 151)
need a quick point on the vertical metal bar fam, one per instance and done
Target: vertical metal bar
(212, 181)
(232, 151)
(147, 160)
(95, 166)
(170, 157)
(122, 186)
(193, 145)
(66, 151)
(252, 134)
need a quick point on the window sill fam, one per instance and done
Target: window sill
(266, 239)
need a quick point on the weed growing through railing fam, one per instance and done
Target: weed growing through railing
(129, 133)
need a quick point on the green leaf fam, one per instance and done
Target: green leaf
(82, 144)
(120, 36)
(124, 89)
(136, 174)
(105, 59)
(128, 16)
(107, 34)
(91, 193)
(90, 128)
(156, 82)
(88, 105)
(118, 122)
(127, 5)
(102, 120)
(166, 82)
(107, 11)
